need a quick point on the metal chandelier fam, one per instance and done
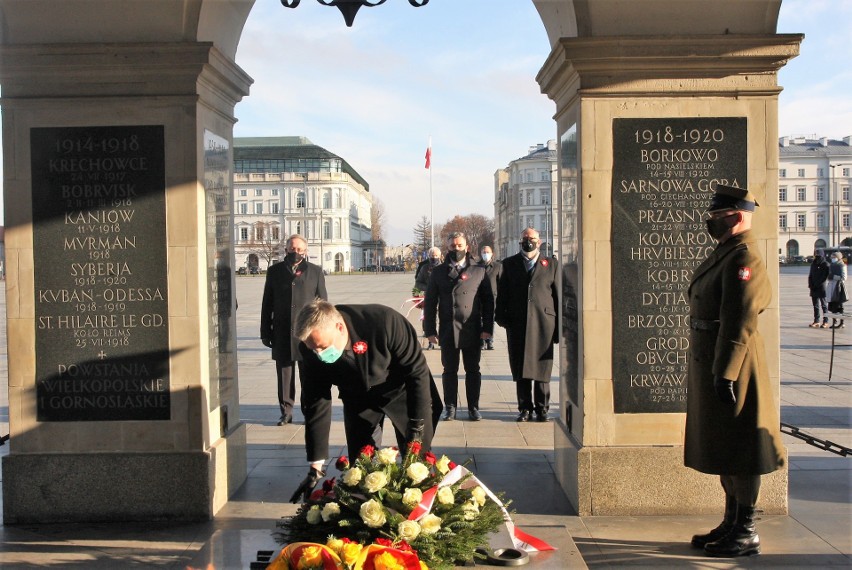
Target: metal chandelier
(350, 7)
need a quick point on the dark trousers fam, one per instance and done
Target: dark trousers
(745, 488)
(450, 377)
(286, 386)
(820, 303)
(533, 396)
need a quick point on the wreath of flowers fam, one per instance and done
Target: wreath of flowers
(415, 504)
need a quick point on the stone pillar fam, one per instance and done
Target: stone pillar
(648, 123)
(123, 389)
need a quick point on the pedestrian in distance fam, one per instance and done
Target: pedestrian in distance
(460, 302)
(817, 278)
(836, 289)
(493, 268)
(527, 307)
(424, 271)
(732, 419)
(290, 285)
(371, 353)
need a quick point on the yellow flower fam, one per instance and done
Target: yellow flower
(479, 494)
(412, 497)
(387, 455)
(350, 552)
(417, 472)
(443, 465)
(445, 496)
(311, 557)
(375, 481)
(430, 524)
(352, 477)
(372, 514)
(330, 511)
(335, 544)
(470, 509)
(408, 530)
(314, 515)
(387, 561)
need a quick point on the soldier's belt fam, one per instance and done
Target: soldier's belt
(702, 325)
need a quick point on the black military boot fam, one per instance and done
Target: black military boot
(741, 541)
(699, 540)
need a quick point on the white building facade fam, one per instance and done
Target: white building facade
(288, 185)
(814, 207)
(525, 194)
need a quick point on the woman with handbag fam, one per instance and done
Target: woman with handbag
(836, 288)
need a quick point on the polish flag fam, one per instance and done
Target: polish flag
(429, 154)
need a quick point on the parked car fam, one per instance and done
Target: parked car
(242, 270)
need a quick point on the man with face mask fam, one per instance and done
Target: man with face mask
(459, 298)
(732, 419)
(493, 269)
(372, 354)
(424, 272)
(290, 285)
(527, 307)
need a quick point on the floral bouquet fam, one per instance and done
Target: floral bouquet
(417, 503)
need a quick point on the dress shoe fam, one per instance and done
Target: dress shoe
(474, 415)
(541, 417)
(449, 415)
(285, 419)
(524, 416)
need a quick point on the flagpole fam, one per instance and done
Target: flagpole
(431, 201)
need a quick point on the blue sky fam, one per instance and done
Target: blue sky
(463, 72)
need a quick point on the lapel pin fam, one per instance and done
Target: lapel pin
(359, 347)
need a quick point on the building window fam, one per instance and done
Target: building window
(326, 229)
(243, 192)
(258, 207)
(300, 201)
(845, 220)
(800, 221)
(801, 194)
(820, 220)
(243, 207)
(801, 173)
(276, 233)
(529, 176)
(258, 232)
(782, 221)
(545, 176)
(258, 191)
(275, 191)
(844, 172)
(545, 196)
(243, 234)
(782, 194)
(337, 229)
(782, 173)
(338, 199)
(530, 194)
(844, 193)
(299, 227)
(273, 207)
(326, 199)
(820, 193)
(820, 172)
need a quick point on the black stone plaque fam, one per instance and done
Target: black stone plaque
(664, 173)
(101, 307)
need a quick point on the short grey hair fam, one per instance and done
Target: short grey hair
(456, 235)
(434, 250)
(318, 314)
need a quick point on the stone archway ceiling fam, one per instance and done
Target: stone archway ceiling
(349, 8)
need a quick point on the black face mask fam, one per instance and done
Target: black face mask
(817, 259)
(434, 261)
(460, 255)
(528, 245)
(294, 257)
(717, 228)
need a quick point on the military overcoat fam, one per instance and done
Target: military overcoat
(527, 307)
(727, 293)
(284, 294)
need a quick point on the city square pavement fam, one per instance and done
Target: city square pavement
(513, 458)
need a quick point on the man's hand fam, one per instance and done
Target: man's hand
(267, 342)
(306, 487)
(725, 390)
(414, 430)
(433, 339)
(484, 335)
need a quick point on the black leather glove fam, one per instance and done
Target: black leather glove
(414, 430)
(306, 487)
(725, 390)
(266, 342)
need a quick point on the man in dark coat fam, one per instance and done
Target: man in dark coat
(290, 285)
(372, 354)
(459, 297)
(732, 419)
(527, 307)
(817, 278)
(424, 272)
(493, 269)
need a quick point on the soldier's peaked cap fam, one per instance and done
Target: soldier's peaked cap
(732, 198)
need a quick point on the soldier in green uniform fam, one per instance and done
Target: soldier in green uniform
(732, 421)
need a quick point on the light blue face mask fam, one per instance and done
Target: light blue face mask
(330, 354)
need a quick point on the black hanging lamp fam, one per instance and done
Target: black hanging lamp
(350, 7)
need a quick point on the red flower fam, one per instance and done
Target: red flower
(328, 485)
(430, 458)
(342, 463)
(368, 450)
(414, 447)
(384, 542)
(404, 546)
(452, 465)
(316, 495)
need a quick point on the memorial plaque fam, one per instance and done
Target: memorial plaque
(664, 173)
(101, 307)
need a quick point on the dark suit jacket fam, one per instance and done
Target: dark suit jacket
(392, 366)
(284, 295)
(463, 305)
(527, 307)
(494, 270)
